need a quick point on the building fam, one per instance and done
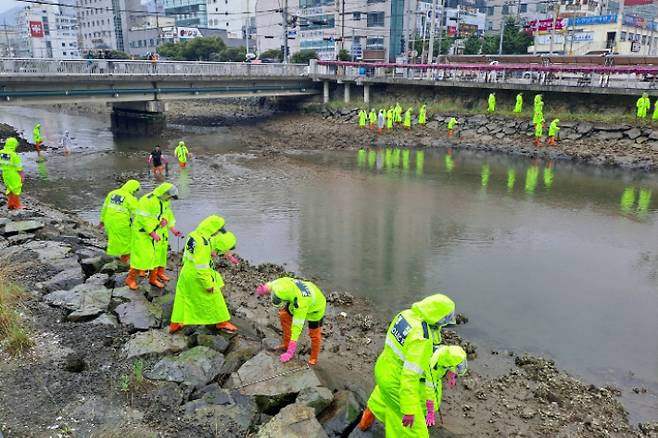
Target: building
(498, 10)
(596, 35)
(459, 22)
(104, 24)
(269, 28)
(47, 31)
(142, 41)
(188, 13)
(9, 37)
(233, 16)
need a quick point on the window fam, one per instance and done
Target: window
(505, 9)
(644, 39)
(63, 44)
(64, 53)
(376, 1)
(317, 22)
(623, 36)
(356, 16)
(375, 19)
(490, 10)
(524, 8)
(151, 43)
(375, 43)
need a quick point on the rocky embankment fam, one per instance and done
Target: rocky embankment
(103, 363)
(620, 145)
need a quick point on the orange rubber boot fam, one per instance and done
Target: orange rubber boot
(366, 420)
(153, 279)
(131, 280)
(161, 274)
(316, 344)
(125, 259)
(10, 201)
(286, 324)
(226, 325)
(174, 327)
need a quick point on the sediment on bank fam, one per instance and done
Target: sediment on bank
(103, 362)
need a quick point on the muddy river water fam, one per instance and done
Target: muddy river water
(547, 257)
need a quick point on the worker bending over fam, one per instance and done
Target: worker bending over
(117, 214)
(553, 130)
(452, 123)
(298, 301)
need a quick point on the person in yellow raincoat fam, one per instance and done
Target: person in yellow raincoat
(643, 104)
(518, 106)
(167, 224)
(446, 360)
(452, 123)
(146, 233)
(372, 119)
(12, 173)
(407, 119)
(539, 131)
(199, 299)
(422, 115)
(491, 103)
(553, 130)
(403, 364)
(116, 217)
(390, 118)
(38, 140)
(397, 113)
(299, 301)
(363, 118)
(181, 153)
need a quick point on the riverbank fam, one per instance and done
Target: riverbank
(103, 363)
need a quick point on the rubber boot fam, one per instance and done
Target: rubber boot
(10, 201)
(286, 324)
(161, 274)
(316, 344)
(174, 327)
(367, 418)
(131, 279)
(153, 279)
(142, 273)
(125, 259)
(226, 325)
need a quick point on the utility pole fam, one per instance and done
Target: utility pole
(620, 20)
(342, 26)
(414, 33)
(284, 17)
(432, 26)
(246, 28)
(441, 19)
(556, 12)
(502, 32)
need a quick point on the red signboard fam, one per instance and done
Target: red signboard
(637, 2)
(36, 29)
(544, 25)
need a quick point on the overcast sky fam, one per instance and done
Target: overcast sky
(7, 4)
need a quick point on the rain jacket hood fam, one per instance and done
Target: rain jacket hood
(435, 308)
(131, 186)
(11, 144)
(226, 241)
(448, 356)
(210, 225)
(163, 189)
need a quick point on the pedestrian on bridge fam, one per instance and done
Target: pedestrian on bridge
(422, 115)
(181, 153)
(452, 123)
(519, 103)
(38, 140)
(363, 118)
(12, 173)
(491, 103)
(298, 301)
(372, 119)
(553, 130)
(407, 119)
(199, 299)
(117, 213)
(643, 104)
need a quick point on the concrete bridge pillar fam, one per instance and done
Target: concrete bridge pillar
(366, 93)
(325, 92)
(347, 92)
(139, 118)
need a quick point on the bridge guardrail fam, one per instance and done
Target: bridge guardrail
(100, 67)
(641, 77)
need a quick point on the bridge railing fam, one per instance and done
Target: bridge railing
(641, 77)
(63, 67)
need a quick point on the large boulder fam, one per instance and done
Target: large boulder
(12, 228)
(153, 342)
(317, 397)
(84, 300)
(293, 421)
(240, 351)
(135, 310)
(229, 412)
(271, 382)
(341, 414)
(195, 367)
(64, 280)
(375, 431)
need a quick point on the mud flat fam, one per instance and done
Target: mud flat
(104, 364)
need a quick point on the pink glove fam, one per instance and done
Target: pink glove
(163, 222)
(430, 418)
(210, 290)
(262, 290)
(101, 226)
(452, 379)
(292, 347)
(155, 236)
(231, 258)
(408, 420)
(213, 253)
(176, 232)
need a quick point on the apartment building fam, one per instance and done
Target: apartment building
(47, 31)
(104, 24)
(233, 16)
(190, 13)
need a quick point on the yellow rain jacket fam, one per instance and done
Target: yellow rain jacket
(117, 216)
(304, 300)
(11, 166)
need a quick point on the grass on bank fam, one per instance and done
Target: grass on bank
(452, 107)
(14, 336)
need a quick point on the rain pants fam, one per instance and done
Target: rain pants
(11, 165)
(117, 215)
(304, 300)
(193, 304)
(404, 362)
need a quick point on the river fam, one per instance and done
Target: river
(547, 257)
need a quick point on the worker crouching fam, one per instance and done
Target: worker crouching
(199, 299)
(298, 301)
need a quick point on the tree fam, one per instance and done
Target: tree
(231, 54)
(515, 39)
(272, 54)
(304, 56)
(472, 45)
(171, 51)
(344, 55)
(201, 49)
(490, 45)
